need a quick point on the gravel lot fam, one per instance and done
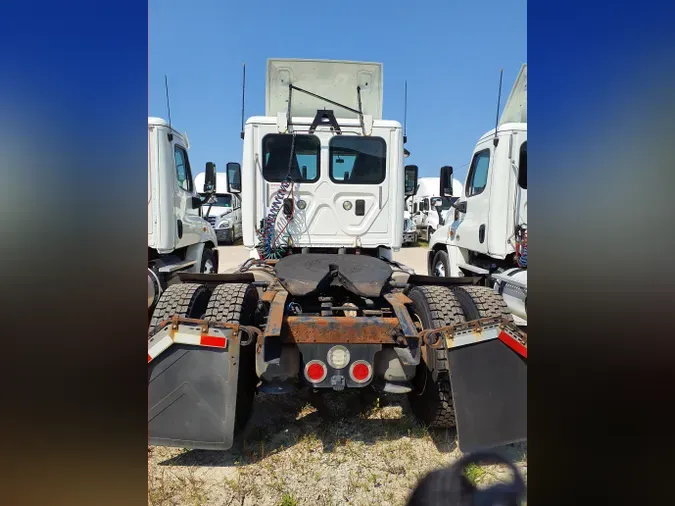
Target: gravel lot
(359, 449)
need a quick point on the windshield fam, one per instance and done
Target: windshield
(222, 200)
(445, 203)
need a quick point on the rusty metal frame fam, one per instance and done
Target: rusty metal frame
(175, 321)
(275, 316)
(398, 301)
(204, 326)
(341, 329)
(475, 331)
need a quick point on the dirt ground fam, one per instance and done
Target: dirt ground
(360, 449)
(363, 450)
(231, 257)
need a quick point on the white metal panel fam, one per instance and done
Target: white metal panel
(221, 181)
(332, 79)
(151, 212)
(515, 110)
(325, 222)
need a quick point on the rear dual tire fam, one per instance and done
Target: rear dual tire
(431, 398)
(228, 303)
(437, 306)
(237, 303)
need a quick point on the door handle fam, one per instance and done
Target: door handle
(481, 234)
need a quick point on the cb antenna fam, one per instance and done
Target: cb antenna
(243, 98)
(499, 97)
(405, 114)
(168, 105)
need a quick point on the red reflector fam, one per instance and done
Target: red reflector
(316, 371)
(213, 341)
(149, 358)
(360, 371)
(513, 344)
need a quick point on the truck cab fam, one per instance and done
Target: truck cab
(223, 212)
(486, 231)
(179, 238)
(427, 217)
(322, 171)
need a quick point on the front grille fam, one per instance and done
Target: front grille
(211, 220)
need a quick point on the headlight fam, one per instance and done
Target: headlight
(409, 226)
(224, 223)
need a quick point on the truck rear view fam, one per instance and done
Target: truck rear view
(320, 304)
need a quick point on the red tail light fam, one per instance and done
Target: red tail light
(316, 371)
(361, 371)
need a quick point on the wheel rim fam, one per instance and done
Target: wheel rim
(208, 267)
(439, 270)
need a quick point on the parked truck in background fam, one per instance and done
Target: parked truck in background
(179, 238)
(320, 304)
(409, 230)
(224, 212)
(486, 234)
(428, 218)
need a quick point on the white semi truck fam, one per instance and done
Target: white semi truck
(320, 304)
(486, 234)
(428, 218)
(179, 239)
(224, 211)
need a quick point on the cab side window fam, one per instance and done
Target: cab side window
(183, 173)
(522, 167)
(478, 173)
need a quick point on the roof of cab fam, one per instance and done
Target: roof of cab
(306, 121)
(506, 127)
(157, 121)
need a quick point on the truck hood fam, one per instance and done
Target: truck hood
(332, 79)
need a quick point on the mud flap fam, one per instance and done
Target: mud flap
(489, 388)
(192, 395)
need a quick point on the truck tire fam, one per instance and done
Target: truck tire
(209, 263)
(236, 303)
(431, 399)
(440, 265)
(482, 302)
(188, 300)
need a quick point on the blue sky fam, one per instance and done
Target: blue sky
(450, 52)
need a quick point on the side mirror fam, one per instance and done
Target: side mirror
(460, 206)
(436, 201)
(210, 178)
(446, 181)
(410, 179)
(233, 177)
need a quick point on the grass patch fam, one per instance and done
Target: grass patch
(288, 500)
(473, 473)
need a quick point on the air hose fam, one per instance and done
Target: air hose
(267, 244)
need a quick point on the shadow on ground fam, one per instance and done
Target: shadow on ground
(333, 419)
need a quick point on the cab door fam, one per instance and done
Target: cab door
(471, 226)
(188, 221)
